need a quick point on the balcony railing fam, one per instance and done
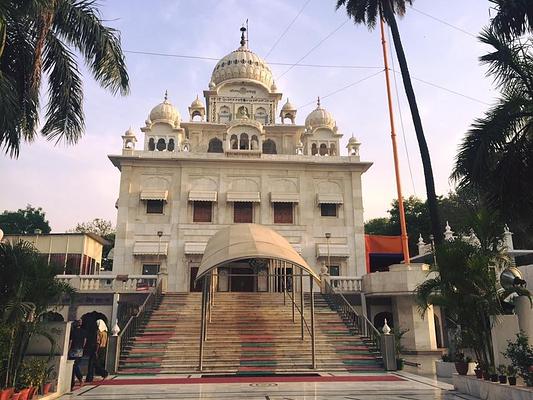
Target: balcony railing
(110, 283)
(346, 284)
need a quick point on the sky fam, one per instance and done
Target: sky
(78, 183)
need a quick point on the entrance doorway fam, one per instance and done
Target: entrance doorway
(241, 279)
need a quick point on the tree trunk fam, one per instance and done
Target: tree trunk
(436, 228)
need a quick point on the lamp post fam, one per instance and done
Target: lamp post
(159, 234)
(328, 236)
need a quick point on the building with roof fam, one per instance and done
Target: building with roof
(240, 156)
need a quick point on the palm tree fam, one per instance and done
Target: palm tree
(496, 156)
(513, 17)
(367, 12)
(463, 283)
(28, 288)
(41, 37)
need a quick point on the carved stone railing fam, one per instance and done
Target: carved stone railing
(110, 283)
(346, 284)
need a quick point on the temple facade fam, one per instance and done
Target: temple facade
(238, 156)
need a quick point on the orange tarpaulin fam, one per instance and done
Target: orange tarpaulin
(382, 245)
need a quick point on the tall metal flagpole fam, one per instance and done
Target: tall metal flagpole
(404, 237)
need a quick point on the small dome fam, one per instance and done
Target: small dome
(288, 106)
(197, 103)
(353, 140)
(165, 112)
(129, 132)
(319, 117)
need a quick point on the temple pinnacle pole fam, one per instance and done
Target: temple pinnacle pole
(404, 237)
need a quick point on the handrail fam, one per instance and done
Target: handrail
(303, 315)
(359, 323)
(133, 324)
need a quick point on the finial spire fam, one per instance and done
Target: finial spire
(318, 102)
(243, 39)
(166, 95)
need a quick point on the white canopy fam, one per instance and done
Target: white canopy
(241, 241)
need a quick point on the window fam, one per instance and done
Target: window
(215, 146)
(161, 145)
(328, 210)
(243, 212)
(323, 149)
(234, 142)
(283, 213)
(151, 144)
(334, 270)
(314, 150)
(243, 142)
(269, 147)
(154, 206)
(150, 269)
(202, 211)
(171, 145)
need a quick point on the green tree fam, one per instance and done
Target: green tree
(463, 282)
(24, 221)
(495, 157)
(105, 229)
(367, 12)
(43, 37)
(28, 288)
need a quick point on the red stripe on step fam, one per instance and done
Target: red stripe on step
(239, 379)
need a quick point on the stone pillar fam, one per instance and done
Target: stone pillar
(525, 315)
(114, 311)
(421, 334)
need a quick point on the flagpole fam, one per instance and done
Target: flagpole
(404, 237)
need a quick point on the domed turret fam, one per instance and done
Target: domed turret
(243, 64)
(319, 117)
(288, 111)
(197, 109)
(353, 146)
(165, 112)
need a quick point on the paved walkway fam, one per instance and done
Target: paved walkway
(401, 386)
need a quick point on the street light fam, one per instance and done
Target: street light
(328, 236)
(159, 234)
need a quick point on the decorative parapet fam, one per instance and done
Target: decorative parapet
(110, 283)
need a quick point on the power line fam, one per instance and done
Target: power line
(287, 28)
(315, 47)
(401, 116)
(444, 22)
(151, 53)
(341, 89)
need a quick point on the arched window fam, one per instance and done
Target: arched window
(161, 144)
(332, 149)
(215, 146)
(269, 147)
(151, 144)
(314, 150)
(261, 115)
(234, 142)
(243, 142)
(224, 115)
(196, 116)
(254, 143)
(323, 149)
(171, 145)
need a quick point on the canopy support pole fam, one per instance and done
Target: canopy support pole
(202, 326)
(292, 294)
(302, 302)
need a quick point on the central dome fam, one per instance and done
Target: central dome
(243, 64)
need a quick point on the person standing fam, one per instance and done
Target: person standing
(97, 352)
(78, 340)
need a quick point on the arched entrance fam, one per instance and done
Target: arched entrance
(251, 257)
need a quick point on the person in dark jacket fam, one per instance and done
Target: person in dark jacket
(78, 340)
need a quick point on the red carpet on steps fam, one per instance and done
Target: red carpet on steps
(259, 379)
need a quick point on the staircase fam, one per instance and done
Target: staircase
(249, 334)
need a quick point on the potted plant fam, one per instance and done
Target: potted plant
(7, 393)
(479, 371)
(492, 373)
(511, 372)
(45, 385)
(502, 374)
(398, 335)
(461, 363)
(521, 355)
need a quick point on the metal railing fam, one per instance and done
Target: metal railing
(135, 321)
(358, 324)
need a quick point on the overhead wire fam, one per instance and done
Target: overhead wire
(401, 116)
(287, 28)
(314, 48)
(457, 28)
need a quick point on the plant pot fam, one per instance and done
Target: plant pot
(46, 388)
(7, 393)
(399, 364)
(494, 377)
(486, 376)
(479, 373)
(512, 380)
(502, 379)
(16, 396)
(461, 367)
(32, 392)
(23, 394)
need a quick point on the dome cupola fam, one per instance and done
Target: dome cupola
(243, 64)
(165, 112)
(319, 117)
